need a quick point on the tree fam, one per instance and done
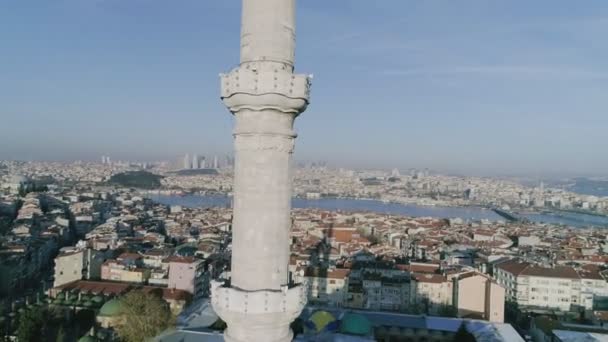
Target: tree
(136, 179)
(297, 327)
(446, 310)
(414, 309)
(512, 312)
(144, 315)
(61, 336)
(373, 239)
(5, 225)
(32, 325)
(83, 321)
(219, 325)
(22, 190)
(3, 329)
(463, 335)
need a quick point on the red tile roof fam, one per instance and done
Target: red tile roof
(133, 256)
(419, 268)
(516, 267)
(117, 289)
(590, 272)
(338, 273)
(182, 260)
(429, 278)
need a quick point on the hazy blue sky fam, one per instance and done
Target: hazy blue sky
(493, 86)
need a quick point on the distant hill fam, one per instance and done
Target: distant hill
(136, 179)
(196, 172)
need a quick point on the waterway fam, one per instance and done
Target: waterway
(344, 204)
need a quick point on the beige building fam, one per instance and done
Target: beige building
(431, 292)
(385, 292)
(116, 271)
(558, 287)
(478, 296)
(186, 273)
(329, 287)
(76, 264)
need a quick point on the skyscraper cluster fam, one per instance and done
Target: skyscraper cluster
(201, 162)
(106, 160)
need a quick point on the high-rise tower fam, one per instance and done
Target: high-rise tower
(187, 163)
(265, 96)
(195, 162)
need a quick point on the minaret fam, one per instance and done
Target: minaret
(265, 96)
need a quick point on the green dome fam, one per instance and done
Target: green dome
(111, 308)
(320, 321)
(87, 338)
(355, 324)
(97, 299)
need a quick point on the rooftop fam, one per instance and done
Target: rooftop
(517, 267)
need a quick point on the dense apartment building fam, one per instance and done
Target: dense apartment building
(74, 264)
(327, 286)
(128, 267)
(476, 295)
(430, 292)
(471, 293)
(556, 287)
(186, 273)
(384, 292)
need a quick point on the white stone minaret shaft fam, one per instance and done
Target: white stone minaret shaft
(265, 97)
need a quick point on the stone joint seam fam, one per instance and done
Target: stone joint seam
(262, 142)
(258, 302)
(280, 82)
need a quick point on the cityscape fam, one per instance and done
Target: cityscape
(434, 200)
(370, 242)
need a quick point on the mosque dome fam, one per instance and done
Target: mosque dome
(355, 324)
(97, 299)
(87, 338)
(321, 321)
(111, 309)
